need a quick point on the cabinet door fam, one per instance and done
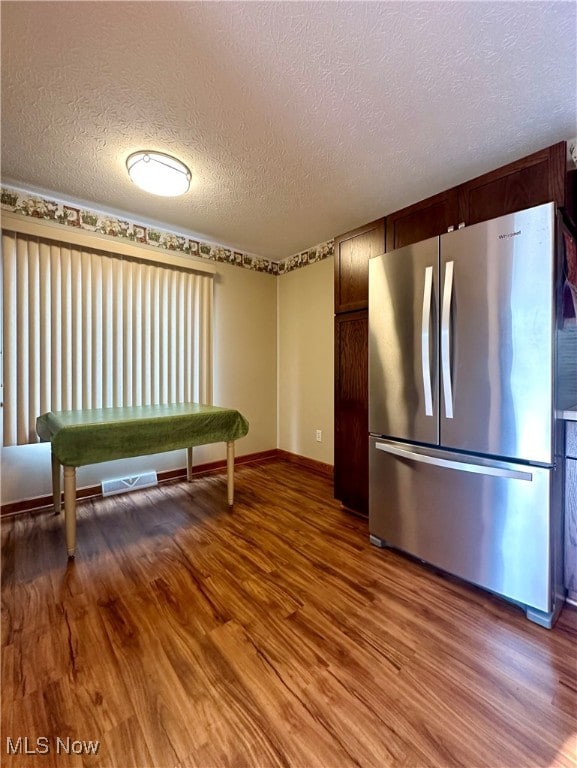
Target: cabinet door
(352, 253)
(536, 179)
(428, 218)
(351, 411)
(571, 196)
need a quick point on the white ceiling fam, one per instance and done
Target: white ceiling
(298, 120)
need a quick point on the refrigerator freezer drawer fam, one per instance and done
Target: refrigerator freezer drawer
(486, 522)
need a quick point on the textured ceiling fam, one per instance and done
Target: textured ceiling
(299, 121)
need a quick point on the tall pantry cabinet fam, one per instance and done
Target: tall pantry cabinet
(352, 253)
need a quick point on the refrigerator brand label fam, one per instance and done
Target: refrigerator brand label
(509, 234)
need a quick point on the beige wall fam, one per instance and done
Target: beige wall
(245, 352)
(305, 361)
(245, 369)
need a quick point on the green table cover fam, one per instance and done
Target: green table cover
(91, 436)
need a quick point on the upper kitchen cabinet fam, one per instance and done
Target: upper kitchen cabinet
(538, 178)
(422, 220)
(352, 253)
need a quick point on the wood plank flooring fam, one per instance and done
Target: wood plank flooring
(187, 635)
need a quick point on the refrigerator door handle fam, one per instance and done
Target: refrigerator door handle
(446, 339)
(478, 469)
(425, 343)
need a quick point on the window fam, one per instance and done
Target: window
(84, 328)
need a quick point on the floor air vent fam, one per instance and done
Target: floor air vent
(123, 484)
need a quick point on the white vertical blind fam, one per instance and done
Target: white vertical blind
(87, 329)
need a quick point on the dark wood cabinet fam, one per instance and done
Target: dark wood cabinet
(422, 220)
(533, 180)
(571, 197)
(351, 410)
(352, 253)
(538, 178)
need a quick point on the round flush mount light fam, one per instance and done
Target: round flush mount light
(158, 173)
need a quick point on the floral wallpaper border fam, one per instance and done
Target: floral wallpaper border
(70, 215)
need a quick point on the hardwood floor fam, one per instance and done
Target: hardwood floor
(273, 635)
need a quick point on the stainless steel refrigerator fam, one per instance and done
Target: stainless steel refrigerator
(464, 460)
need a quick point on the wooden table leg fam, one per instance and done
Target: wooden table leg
(70, 509)
(56, 492)
(230, 471)
(189, 464)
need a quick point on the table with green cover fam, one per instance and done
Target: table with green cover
(91, 436)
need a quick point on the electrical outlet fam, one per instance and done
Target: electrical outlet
(319, 436)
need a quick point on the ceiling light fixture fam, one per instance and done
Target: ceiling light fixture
(158, 173)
